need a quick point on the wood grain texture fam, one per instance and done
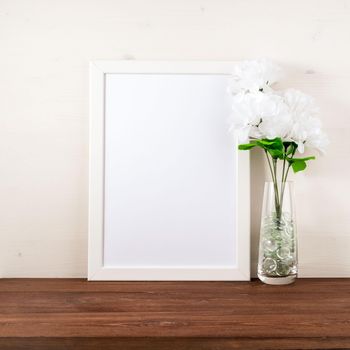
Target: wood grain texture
(171, 343)
(63, 313)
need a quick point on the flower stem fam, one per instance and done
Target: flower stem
(285, 176)
(277, 200)
(273, 170)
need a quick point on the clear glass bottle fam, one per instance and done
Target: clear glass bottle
(278, 242)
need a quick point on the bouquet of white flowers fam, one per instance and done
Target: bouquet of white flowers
(282, 123)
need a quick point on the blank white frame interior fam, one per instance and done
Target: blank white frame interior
(169, 192)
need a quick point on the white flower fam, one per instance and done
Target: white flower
(300, 104)
(276, 120)
(317, 140)
(307, 128)
(259, 115)
(259, 112)
(254, 76)
(244, 117)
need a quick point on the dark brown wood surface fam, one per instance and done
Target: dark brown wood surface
(76, 314)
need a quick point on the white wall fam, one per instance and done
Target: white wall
(45, 49)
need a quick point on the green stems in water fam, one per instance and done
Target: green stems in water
(279, 192)
(277, 149)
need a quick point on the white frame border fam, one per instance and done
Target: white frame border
(96, 270)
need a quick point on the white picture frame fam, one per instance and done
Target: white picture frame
(97, 268)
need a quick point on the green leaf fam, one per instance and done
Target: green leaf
(289, 147)
(276, 153)
(265, 142)
(271, 144)
(306, 158)
(299, 164)
(246, 146)
(292, 160)
(274, 147)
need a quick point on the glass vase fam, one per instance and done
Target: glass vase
(278, 242)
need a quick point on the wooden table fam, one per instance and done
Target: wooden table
(76, 314)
